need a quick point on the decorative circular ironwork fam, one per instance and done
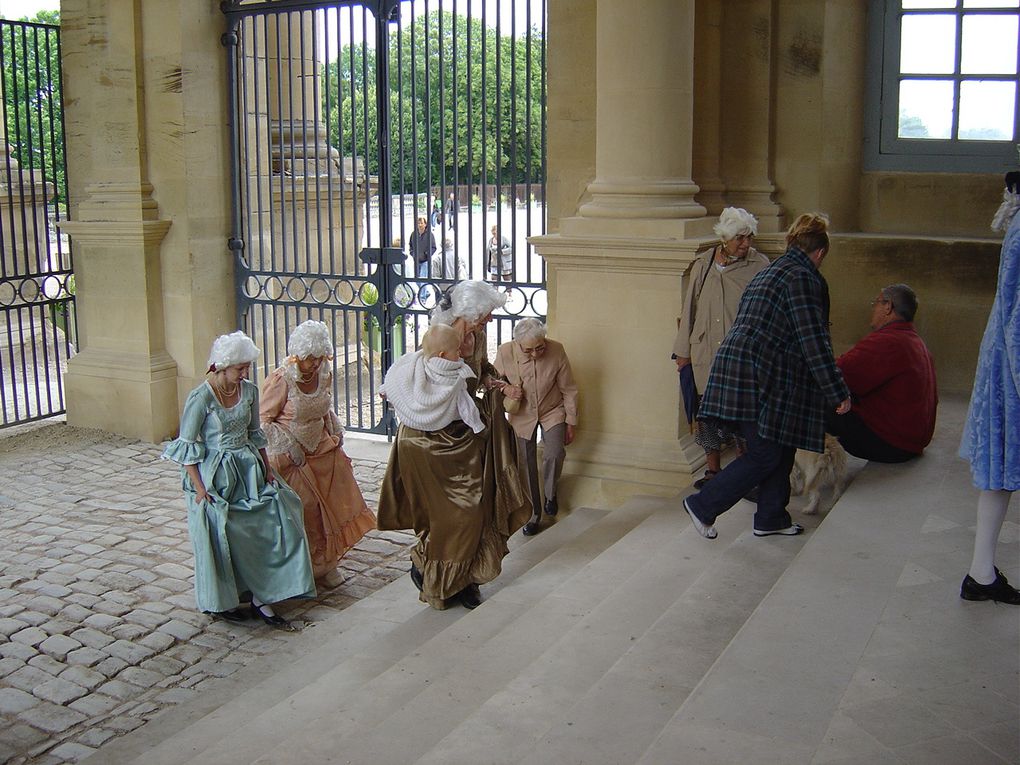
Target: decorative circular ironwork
(540, 302)
(29, 290)
(8, 294)
(252, 287)
(273, 288)
(403, 295)
(320, 290)
(53, 287)
(296, 289)
(345, 292)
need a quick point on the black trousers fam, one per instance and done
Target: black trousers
(860, 440)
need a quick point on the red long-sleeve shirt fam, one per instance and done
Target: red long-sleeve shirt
(892, 378)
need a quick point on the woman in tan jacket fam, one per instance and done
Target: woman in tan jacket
(715, 285)
(541, 392)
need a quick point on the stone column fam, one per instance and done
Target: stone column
(707, 106)
(123, 379)
(746, 146)
(615, 270)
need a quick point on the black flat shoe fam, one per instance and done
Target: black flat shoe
(234, 615)
(531, 528)
(551, 506)
(470, 597)
(416, 577)
(1000, 590)
(273, 621)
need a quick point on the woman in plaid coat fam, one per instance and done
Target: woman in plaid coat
(771, 381)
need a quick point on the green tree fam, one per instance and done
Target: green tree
(32, 110)
(466, 103)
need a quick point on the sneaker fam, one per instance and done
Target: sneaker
(999, 591)
(790, 531)
(708, 532)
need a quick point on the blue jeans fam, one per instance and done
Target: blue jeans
(766, 464)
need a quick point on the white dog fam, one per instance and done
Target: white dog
(812, 472)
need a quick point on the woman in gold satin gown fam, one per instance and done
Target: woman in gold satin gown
(460, 492)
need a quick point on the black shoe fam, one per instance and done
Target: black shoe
(416, 577)
(1000, 590)
(551, 506)
(234, 615)
(470, 597)
(273, 621)
(531, 528)
(752, 495)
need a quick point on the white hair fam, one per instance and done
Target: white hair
(735, 221)
(529, 328)
(310, 338)
(228, 350)
(468, 300)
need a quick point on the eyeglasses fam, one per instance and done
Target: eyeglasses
(535, 351)
(879, 301)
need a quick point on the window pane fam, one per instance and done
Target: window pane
(991, 3)
(929, 3)
(928, 44)
(986, 110)
(989, 44)
(926, 109)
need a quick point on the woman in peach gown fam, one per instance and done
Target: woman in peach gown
(306, 447)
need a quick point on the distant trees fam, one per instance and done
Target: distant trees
(466, 103)
(32, 112)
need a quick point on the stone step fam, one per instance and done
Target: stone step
(372, 634)
(602, 692)
(431, 693)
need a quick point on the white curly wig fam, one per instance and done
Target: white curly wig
(310, 338)
(735, 221)
(228, 350)
(468, 300)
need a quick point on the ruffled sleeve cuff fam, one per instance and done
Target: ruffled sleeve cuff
(184, 452)
(258, 438)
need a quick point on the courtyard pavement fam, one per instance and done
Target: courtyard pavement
(98, 627)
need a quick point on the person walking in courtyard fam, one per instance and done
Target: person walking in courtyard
(245, 524)
(541, 392)
(772, 379)
(460, 490)
(420, 246)
(715, 285)
(305, 447)
(991, 435)
(501, 257)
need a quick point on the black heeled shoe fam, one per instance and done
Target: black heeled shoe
(470, 597)
(416, 577)
(233, 615)
(273, 621)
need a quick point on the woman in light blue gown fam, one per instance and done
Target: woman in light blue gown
(991, 436)
(245, 524)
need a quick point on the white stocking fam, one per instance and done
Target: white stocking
(991, 512)
(263, 607)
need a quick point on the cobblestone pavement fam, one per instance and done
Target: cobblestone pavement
(98, 627)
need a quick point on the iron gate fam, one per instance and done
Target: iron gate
(37, 318)
(331, 169)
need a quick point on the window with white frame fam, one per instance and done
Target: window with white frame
(944, 85)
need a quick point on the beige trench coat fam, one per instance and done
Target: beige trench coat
(709, 310)
(550, 393)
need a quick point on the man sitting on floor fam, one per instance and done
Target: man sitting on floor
(891, 378)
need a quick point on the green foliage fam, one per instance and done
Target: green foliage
(463, 101)
(32, 108)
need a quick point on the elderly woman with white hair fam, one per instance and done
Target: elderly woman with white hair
(306, 447)
(244, 523)
(460, 491)
(541, 392)
(715, 285)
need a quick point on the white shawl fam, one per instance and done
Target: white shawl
(430, 394)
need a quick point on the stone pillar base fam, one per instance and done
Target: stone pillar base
(613, 303)
(137, 392)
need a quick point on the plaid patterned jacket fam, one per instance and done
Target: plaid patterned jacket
(776, 365)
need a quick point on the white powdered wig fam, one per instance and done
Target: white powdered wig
(469, 300)
(228, 350)
(735, 221)
(310, 338)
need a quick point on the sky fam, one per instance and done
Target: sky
(16, 9)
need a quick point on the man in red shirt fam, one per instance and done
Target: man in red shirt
(891, 378)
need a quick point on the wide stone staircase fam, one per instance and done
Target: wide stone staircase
(624, 637)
